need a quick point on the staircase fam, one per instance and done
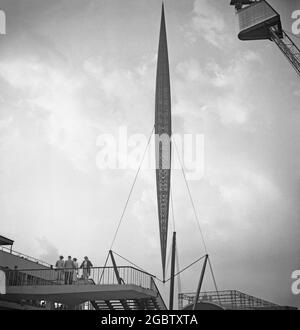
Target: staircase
(151, 303)
(135, 304)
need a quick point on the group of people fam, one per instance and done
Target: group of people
(68, 270)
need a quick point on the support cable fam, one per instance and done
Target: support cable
(133, 264)
(178, 267)
(169, 259)
(214, 279)
(197, 218)
(191, 199)
(131, 189)
(176, 254)
(174, 228)
(193, 263)
(172, 207)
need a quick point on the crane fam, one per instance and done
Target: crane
(258, 20)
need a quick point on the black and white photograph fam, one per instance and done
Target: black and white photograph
(149, 158)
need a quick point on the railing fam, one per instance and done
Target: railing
(24, 256)
(230, 299)
(96, 275)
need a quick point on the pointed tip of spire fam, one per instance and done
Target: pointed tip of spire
(163, 10)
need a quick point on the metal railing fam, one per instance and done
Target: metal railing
(95, 275)
(24, 256)
(229, 299)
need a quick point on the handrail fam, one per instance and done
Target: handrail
(100, 267)
(24, 256)
(67, 276)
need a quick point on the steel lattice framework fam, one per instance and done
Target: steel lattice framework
(163, 138)
(288, 48)
(229, 299)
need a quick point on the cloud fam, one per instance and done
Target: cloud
(236, 74)
(222, 88)
(123, 91)
(242, 189)
(208, 22)
(50, 92)
(76, 105)
(192, 71)
(47, 251)
(5, 123)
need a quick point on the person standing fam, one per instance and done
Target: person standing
(60, 264)
(86, 268)
(69, 270)
(75, 273)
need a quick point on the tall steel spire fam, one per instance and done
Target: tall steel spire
(163, 138)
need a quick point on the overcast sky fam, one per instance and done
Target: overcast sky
(71, 70)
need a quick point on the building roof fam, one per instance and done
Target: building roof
(5, 241)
